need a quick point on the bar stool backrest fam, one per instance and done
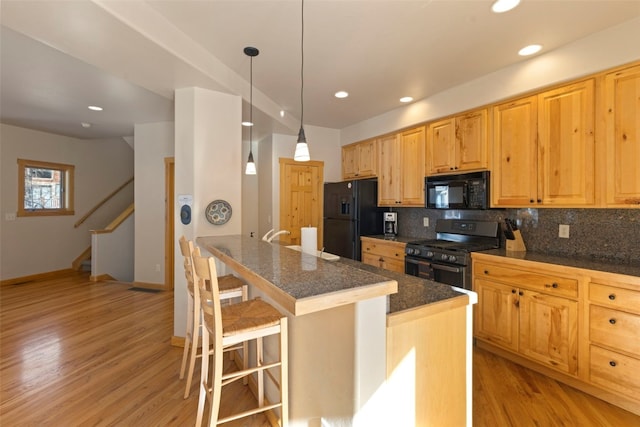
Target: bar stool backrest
(207, 283)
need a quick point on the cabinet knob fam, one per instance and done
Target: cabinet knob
(486, 272)
(520, 293)
(613, 363)
(612, 321)
(530, 200)
(612, 296)
(539, 200)
(553, 285)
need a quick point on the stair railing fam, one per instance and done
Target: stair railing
(102, 202)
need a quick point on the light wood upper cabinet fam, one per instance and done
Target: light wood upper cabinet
(458, 144)
(544, 149)
(401, 168)
(359, 160)
(515, 166)
(622, 122)
(566, 152)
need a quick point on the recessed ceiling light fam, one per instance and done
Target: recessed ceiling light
(85, 125)
(406, 99)
(529, 50)
(95, 108)
(341, 94)
(247, 124)
(504, 5)
(281, 113)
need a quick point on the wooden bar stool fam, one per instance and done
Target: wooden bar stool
(230, 325)
(230, 287)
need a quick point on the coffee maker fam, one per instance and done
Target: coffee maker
(390, 224)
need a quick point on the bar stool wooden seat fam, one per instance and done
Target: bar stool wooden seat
(230, 325)
(230, 287)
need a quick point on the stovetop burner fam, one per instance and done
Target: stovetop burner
(455, 240)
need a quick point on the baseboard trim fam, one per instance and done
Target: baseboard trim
(40, 276)
(101, 278)
(144, 285)
(177, 341)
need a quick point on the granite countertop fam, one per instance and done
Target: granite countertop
(412, 292)
(399, 239)
(576, 262)
(299, 282)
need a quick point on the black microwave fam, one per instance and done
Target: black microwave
(463, 191)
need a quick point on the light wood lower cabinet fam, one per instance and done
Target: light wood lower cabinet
(514, 313)
(614, 336)
(576, 325)
(385, 254)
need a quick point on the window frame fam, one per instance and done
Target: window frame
(67, 188)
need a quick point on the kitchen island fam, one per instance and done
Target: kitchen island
(353, 353)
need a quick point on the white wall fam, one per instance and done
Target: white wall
(324, 145)
(208, 166)
(153, 143)
(610, 48)
(33, 245)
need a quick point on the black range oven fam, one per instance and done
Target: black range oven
(447, 259)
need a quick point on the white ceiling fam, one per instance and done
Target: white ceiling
(58, 57)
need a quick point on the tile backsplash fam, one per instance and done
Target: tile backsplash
(599, 234)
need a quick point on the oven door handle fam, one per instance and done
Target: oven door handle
(411, 261)
(446, 268)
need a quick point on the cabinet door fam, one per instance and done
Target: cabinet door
(622, 121)
(514, 177)
(471, 141)
(412, 167)
(549, 330)
(349, 161)
(566, 167)
(496, 314)
(441, 147)
(389, 170)
(367, 158)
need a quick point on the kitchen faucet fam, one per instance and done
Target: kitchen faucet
(268, 237)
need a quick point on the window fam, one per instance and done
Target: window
(44, 188)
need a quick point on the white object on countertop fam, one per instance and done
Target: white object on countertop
(309, 240)
(320, 254)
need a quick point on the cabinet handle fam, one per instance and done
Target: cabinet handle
(612, 296)
(553, 285)
(486, 272)
(520, 293)
(613, 363)
(612, 321)
(539, 200)
(530, 200)
(513, 291)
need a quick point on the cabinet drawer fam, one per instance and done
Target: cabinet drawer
(388, 263)
(385, 250)
(615, 371)
(548, 284)
(615, 329)
(611, 296)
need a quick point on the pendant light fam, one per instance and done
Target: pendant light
(251, 165)
(302, 149)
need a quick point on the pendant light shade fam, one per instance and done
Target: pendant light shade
(302, 149)
(251, 165)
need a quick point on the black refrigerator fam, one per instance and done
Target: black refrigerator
(350, 211)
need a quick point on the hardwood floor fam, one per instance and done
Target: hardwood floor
(74, 352)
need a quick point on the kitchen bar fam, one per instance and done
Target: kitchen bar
(352, 335)
(336, 327)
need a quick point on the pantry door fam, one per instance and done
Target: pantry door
(301, 195)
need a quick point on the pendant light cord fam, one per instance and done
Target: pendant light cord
(251, 108)
(302, 68)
